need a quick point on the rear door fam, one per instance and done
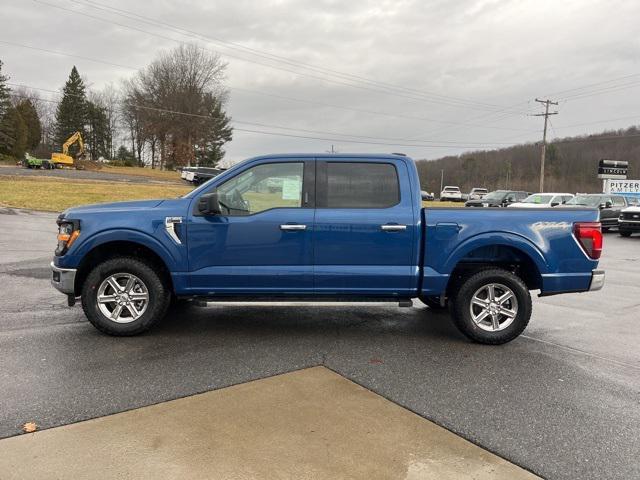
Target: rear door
(364, 230)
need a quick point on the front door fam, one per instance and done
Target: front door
(262, 241)
(364, 228)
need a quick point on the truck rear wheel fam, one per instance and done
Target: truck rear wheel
(124, 296)
(492, 306)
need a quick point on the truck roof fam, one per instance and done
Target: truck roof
(311, 156)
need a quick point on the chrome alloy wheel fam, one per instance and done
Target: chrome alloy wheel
(122, 297)
(493, 307)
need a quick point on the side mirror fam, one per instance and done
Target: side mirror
(554, 204)
(607, 204)
(208, 204)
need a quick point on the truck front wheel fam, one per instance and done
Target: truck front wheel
(492, 306)
(124, 296)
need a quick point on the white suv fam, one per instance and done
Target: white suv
(477, 193)
(543, 200)
(451, 193)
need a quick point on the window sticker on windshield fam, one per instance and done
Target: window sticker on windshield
(291, 189)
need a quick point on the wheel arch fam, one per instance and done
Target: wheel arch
(120, 248)
(508, 252)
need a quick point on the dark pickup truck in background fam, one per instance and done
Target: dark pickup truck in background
(610, 207)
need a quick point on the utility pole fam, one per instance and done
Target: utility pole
(544, 136)
(441, 180)
(332, 151)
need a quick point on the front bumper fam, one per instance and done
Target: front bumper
(63, 279)
(629, 225)
(597, 280)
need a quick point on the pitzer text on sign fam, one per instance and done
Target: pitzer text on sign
(613, 169)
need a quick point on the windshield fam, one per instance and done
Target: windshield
(538, 199)
(497, 195)
(587, 200)
(479, 190)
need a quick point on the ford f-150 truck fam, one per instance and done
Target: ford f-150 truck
(322, 227)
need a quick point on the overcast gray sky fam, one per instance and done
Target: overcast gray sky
(441, 76)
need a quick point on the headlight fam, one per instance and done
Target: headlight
(68, 232)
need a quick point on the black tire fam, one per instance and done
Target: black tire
(158, 301)
(433, 302)
(625, 234)
(461, 306)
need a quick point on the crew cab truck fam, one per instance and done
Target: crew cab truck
(322, 227)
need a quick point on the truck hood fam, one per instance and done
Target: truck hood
(111, 207)
(634, 209)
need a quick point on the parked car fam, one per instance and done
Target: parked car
(629, 221)
(543, 200)
(452, 194)
(426, 196)
(610, 207)
(198, 175)
(339, 227)
(477, 193)
(498, 198)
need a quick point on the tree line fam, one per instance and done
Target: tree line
(169, 114)
(571, 164)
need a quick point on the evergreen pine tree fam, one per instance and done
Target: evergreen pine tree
(71, 114)
(5, 100)
(6, 124)
(14, 134)
(98, 135)
(32, 122)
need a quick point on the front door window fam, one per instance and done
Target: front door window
(263, 187)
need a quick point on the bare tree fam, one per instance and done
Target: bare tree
(176, 103)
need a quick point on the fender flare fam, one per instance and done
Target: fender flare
(505, 239)
(128, 235)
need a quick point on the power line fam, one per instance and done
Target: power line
(361, 87)
(338, 140)
(612, 88)
(331, 139)
(258, 92)
(562, 127)
(596, 84)
(268, 55)
(273, 57)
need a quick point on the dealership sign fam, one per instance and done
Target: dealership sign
(614, 169)
(628, 187)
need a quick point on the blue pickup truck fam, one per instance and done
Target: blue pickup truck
(322, 227)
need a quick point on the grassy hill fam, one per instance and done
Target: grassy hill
(571, 165)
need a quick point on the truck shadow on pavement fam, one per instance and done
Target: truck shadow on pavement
(299, 320)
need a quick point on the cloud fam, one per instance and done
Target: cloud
(486, 52)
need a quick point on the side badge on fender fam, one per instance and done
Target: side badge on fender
(170, 227)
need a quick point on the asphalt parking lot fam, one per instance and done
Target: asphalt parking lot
(562, 401)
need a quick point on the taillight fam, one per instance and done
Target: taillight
(589, 236)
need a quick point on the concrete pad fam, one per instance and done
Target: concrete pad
(309, 424)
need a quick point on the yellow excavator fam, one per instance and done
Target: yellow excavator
(64, 159)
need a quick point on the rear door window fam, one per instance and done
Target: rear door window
(361, 185)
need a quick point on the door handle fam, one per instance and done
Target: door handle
(292, 227)
(393, 228)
